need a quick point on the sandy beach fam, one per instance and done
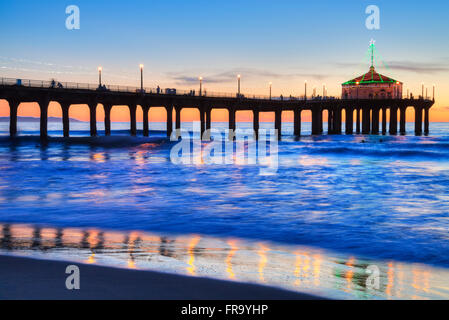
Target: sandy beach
(30, 279)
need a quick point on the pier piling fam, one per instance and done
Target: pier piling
(393, 120)
(13, 108)
(65, 119)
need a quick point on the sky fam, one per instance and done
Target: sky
(283, 42)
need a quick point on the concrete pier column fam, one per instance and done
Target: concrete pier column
(384, 120)
(366, 120)
(418, 121)
(208, 115)
(65, 119)
(146, 121)
(320, 120)
(330, 121)
(169, 120)
(231, 119)
(133, 121)
(316, 121)
(208, 118)
(278, 123)
(393, 120)
(337, 120)
(13, 107)
(297, 122)
(93, 119)
(107, 119)
(231, 124)
(256, 124)
(402, 120)
(203, 121)
(358, 120)
(43, 105)
(375, 121)
(178, 122)
(349, 121)
(426, 120)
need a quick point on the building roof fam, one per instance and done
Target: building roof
(371, 77)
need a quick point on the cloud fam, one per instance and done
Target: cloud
(250, 73)
(410, 66)
(418, 67)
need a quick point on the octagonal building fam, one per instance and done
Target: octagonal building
(372, 85)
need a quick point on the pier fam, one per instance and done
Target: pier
(369, 115)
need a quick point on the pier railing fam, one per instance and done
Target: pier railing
(57, 85)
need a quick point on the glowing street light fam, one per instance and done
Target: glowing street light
(100, 69)
(357, 83)
(238, 78)
(305, 90)
(324, 90)
(271, 84)
(141, 77)
(201, 85)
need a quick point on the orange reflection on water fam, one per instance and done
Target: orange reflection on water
(92, 238)
(131, 264)
(390, 277)
(114, 240)
(263, 260)
(72, 236)
(400, 280)
(297, 272)
(190, 251)
(48, 234)
(22, 231)
(317, 260)
(234, 248)
(91, 259)
(349, 275)
(306, 266)
(139, 157)
(98, 157)
(133, 238)
(420, 280)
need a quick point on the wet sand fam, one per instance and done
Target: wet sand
(30, 279)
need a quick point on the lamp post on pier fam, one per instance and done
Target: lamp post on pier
(141, 77)
(100, 69)
(271, 84)
(305, 90)
(238, 79)
(201, 85)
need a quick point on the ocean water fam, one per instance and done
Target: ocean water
(335, 206)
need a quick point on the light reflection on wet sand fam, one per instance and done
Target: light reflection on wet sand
(294, 268)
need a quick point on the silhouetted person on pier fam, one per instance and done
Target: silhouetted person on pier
(53, 83)
(158, 90)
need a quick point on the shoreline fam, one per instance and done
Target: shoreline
(32, 279)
